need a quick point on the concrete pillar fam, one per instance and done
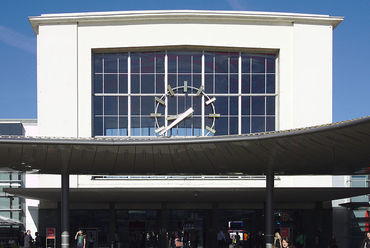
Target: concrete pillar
(269, 210)
(65, 211)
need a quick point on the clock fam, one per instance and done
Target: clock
(172, 121)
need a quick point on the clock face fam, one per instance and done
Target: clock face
(167, 119)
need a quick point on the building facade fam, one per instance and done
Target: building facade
(164, 74)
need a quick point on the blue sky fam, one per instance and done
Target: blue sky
(351, 63)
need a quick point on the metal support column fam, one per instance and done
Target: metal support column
(65, 211)
(269, 211)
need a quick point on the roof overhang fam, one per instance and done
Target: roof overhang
(334, 149)
(193, 195)
(181, 16)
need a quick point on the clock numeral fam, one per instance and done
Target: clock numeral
(185, 86)
(213, 99)
(155, 115)
(210, 129)
(201, 88)
(160, 101)
(214, 115)
(171, 117)
(159, 129)
(170, 90)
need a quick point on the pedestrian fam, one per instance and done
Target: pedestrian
(38, 242)
(81, 239)
(221, 239)
(28, 240)
(285, 243)
(366, 242)
(236, 240)
(277, 240)
(178, 242)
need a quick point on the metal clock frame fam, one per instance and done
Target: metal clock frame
(202, 93)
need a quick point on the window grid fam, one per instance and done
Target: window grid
(240, 94)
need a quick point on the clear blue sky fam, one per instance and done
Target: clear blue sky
(351, 64)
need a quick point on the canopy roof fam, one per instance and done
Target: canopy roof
(335, 149)
(194, 195)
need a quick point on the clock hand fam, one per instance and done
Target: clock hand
(179, 118)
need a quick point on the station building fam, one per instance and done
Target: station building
(165, 121)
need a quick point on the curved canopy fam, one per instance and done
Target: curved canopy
(335, 149)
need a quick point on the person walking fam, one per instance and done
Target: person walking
(221, 239)
(277, 240)
(81, 239)
(28, 240)
(38, 242)
(366, 242)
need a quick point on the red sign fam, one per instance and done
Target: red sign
(285, 232)
(50, 233)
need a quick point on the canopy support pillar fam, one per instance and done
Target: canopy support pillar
(65, 211)
(269, 211)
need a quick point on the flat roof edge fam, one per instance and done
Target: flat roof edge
(193, 15)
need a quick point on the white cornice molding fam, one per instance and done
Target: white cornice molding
(181, 16)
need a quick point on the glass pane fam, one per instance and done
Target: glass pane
(221, 126)
(221, 83)
(270, 105)
(4, 203)
(159, 83)
(270, 64)
(258, 105)
(123, 105)
(111, 126)
(123, 126)
(135, 126)
(159, 63)
(147, 105)
(233, 125)
(98, 63)
(209, 84)
(147, 126)
(234, 84)
(208, 57)
(184, 63)
(135, 63)
(123, 83)
(110, 83)
(135, 83)
(110, 63)
(234, 103)
(246, 105)
(147, 62)
(246, 83)
(270, 83)
(123, 62)
(147, 83)
(98, 105)
(221, 105)
(135, 105)
(221, 63)
(197, 105)
(110, 105)
(172, 63)
(258, 64)
(172, 80)
(197, 63)
(258, 83)
(172, 105)
(181, 104)
(258, 124)
(98, 83)
(98, 126)
(197, 126)
(246, 64)
(197, 80)
(234, 62)
(270, 123)
(246, 125)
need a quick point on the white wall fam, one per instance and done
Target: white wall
(64, 66)
(57, 80)
(312, 75)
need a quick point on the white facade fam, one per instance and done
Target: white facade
(66, 42)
